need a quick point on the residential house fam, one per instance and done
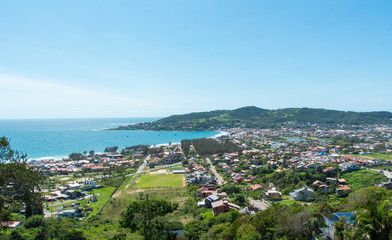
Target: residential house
(220, 206)
(324, 187)
(10, 224)
(302, 194)
(210, 199)
(343, 190)
(255, 187)
(329, 230)
(349, 166)
(273, 194)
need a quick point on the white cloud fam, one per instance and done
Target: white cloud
(29, 98)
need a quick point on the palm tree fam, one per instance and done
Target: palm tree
(375, 222)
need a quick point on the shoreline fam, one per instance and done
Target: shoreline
(61, 157)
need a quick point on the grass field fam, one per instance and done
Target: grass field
(103, 197)
(288, 202)
(381, 156)
(160, 181)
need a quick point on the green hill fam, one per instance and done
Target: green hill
(254, 117)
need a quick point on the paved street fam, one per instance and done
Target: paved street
(144, 164)
(218, 177)
(386, 173)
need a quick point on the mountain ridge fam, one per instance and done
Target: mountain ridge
(255, 117)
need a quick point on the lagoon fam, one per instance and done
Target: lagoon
(57, 138)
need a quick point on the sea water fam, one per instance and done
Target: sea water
(57, 138)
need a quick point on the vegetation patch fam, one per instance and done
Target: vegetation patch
(103, 197)
(363, 178)
(160, 181)
(381, 156)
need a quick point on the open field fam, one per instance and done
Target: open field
(106, 223)
(103, 197)
(381, 156)
(160, 181)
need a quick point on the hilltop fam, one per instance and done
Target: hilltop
(254, 117)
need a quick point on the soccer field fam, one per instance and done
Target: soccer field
(160, 181)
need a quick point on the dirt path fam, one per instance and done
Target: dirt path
(183, 181)
(136, 190)
(117, 194)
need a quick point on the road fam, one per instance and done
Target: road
(144, 164)
(386, 173)
(218, 177)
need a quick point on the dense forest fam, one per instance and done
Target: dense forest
(207, 146)
(254, 117)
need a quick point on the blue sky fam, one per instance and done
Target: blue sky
(62, 59)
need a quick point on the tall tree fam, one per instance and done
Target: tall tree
(143, 215)
(19, 182)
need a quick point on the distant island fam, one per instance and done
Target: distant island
(254, 117)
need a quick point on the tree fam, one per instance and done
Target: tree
(240, 199)
(376, 221)
(111, 149)
(143, 215)
(74, 235)
(370, 196)
(19, 182)
(231, 189)
(77, 156)
(91, 153)
(247, 232)
(193, 230)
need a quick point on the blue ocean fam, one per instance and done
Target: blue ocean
(57, 138)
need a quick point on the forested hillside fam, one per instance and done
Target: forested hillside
(254, 117)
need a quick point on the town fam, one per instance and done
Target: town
(313, 166)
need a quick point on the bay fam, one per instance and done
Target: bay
(57, 138)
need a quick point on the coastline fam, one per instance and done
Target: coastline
(221, 134)
(61, 157)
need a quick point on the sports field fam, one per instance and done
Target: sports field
(160, 181)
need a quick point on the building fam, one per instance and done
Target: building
(343, 190)
(273, 194)
(302, 194)
(329, 230)
(210, 199)
(222, 207)
(10, 224)
(349, 166)
(255, 187)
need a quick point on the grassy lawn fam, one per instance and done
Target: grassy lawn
(288, 202)
(381, 156)
(103, 197)
(363, 178)
(160, 181)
